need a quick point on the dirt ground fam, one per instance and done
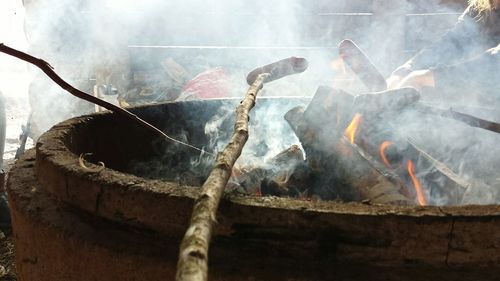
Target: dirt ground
(7, 258)
(15, 118)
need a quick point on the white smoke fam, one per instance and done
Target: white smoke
(81, 39)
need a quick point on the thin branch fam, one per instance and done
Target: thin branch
(468, 119)
(193, 255)
(49, 70)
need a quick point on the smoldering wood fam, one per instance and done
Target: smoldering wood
(289, 176)
(340, 170)
(400, 99)
(285, 175)
(384, 104)
(456, 187)
(362, 66)
(293, 153)
(49, 71)
(376, 110)
(384, 171)
(373, 79)
(370, 179)
(193, 254)
(249, 179)
(445, 183)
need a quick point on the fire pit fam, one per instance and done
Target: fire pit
(73, 222)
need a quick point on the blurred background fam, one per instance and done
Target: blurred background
(139, 52)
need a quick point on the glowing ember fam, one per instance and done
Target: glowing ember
(416, 183)
(350, 131)
(383, 147)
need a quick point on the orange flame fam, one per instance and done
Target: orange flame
(383, 147)
(350, 131)
(258, 193)
(416, 183)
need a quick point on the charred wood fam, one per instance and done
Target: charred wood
(458, 190)
(340, 169)
(285, 175)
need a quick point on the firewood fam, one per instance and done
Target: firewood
(356, 59)
(352, 175)
(283, 175)
(458, 189)
(294, 116)
(373, 79)
(375, 131)
(340, 169)
(293, 153)
(289, 175)
(334, 102)
(388, 101)
(249, 180)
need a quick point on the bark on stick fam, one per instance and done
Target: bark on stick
(193, 256)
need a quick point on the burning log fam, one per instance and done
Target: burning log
(344, 163)
(458, 189)
(193, 254)
(401, 155)
(362, 66)
(342, 170)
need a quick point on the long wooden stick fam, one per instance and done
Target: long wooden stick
(193, 255)
(49, 70)
(468, 119)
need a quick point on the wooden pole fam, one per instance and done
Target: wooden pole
(193, 256)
